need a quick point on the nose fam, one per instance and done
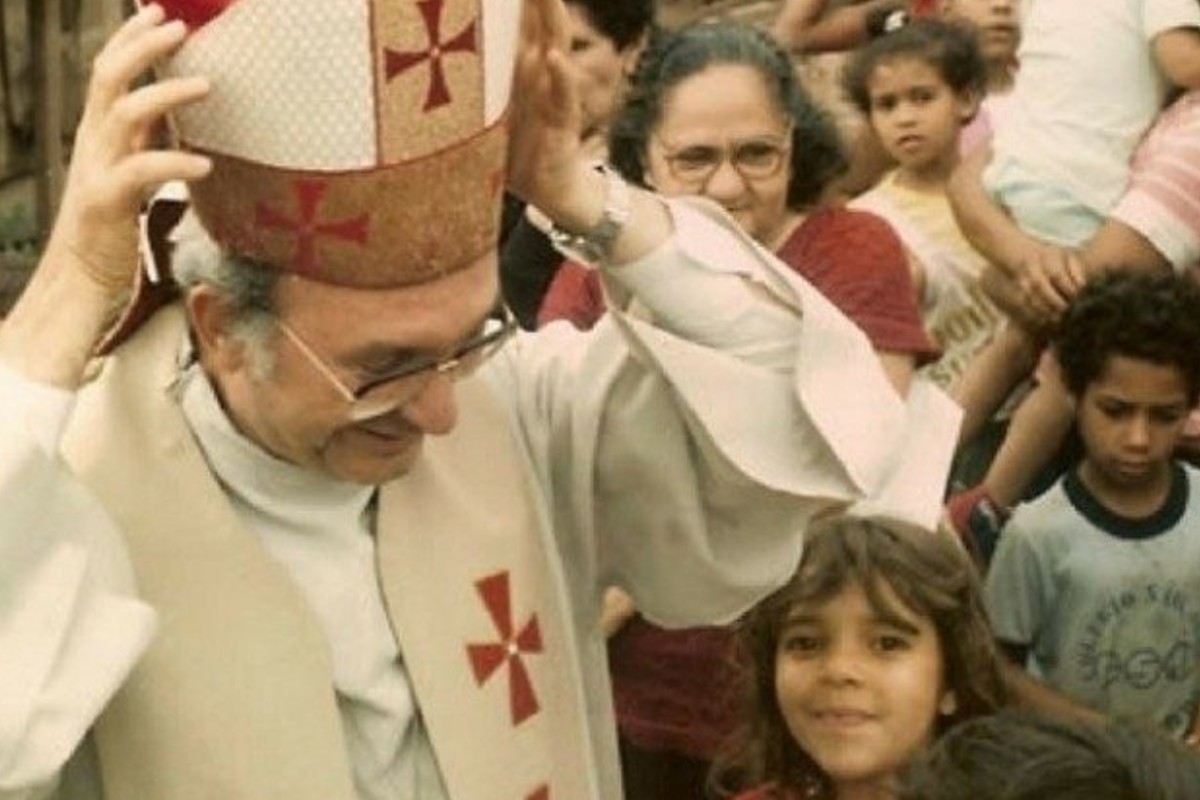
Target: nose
(726, 184)
(905, 114)
(435, 409)
(843, 663)
(1137, 432)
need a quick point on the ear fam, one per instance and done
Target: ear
(212, 321)
(948, 704)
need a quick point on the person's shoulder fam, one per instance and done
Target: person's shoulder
(860, 226)
(1043, 514)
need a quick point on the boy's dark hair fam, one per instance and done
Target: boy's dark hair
(927, 571)
(622, 22)
(816, 152)
(1019, 755)
(951, 48)
(1153, 317)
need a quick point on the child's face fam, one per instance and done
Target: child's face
(996, 21)
(916, 114)
(860, 690)
(1130, 419)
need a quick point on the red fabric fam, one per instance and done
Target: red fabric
(574, 295)
(856, 260)
(674, 689)
(195, 13)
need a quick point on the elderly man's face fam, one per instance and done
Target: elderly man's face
(296, 412)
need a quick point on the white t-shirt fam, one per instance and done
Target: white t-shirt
(1087, 91)
(1108, 606)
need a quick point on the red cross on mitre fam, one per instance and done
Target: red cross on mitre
(307, 228)
(486, 659)
(400, 61)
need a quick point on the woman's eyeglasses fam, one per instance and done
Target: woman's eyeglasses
(754, 159)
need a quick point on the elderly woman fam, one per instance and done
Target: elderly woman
(715, 110)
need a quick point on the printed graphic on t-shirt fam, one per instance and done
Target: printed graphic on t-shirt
(1138, 651)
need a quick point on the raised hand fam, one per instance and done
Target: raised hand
(545, 159)
(91, 257)
(112, 170)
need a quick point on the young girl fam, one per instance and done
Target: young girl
(918, 85)
(877, 646)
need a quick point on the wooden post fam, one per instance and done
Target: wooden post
(46, 23)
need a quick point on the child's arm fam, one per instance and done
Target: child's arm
(1029, 692)
(1047, 276)
(1177, 52)
(1035, 434)
(991, 376)
(803, 26)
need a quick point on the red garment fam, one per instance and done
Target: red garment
(574, 295)
(674, 690)
(852, 257)
(856, 260)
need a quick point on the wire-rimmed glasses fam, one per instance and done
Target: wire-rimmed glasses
(397, 388)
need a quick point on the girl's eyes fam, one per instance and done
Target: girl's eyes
(889, 644)
(801, 643)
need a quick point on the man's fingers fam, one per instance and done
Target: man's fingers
(141, 110)
(128, 183)
(146, 18)
(116, 67)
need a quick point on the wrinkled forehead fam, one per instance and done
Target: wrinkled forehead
(358, 142)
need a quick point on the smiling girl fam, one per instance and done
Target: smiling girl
(876, 646)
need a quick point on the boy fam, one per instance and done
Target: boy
(1095, 586)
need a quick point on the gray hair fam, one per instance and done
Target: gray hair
(247, 286)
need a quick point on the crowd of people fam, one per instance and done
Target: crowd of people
(530, 401)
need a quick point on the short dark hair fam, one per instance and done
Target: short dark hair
(1151, 316)
(816, 153)
(952, 48)
(622, 22)
(929, 572)
(1019, 755)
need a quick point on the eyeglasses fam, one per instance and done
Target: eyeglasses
(401, 386)
(754, 159)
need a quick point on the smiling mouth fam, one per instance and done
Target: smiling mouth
(843, 717)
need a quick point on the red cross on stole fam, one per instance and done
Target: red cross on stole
(512, 644)
(429, 68)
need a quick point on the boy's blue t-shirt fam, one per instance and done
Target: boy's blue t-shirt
(1108, 606)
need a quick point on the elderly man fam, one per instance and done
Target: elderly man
(323, 527)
